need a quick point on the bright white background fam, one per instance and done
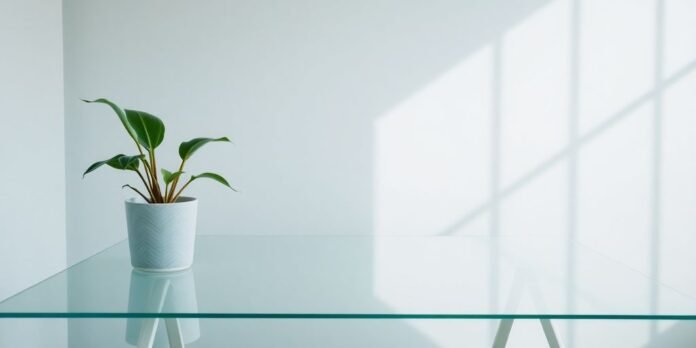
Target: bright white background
(563, 117)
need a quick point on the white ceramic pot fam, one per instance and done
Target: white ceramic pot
(161, 237)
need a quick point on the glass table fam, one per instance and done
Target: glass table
(355, 279)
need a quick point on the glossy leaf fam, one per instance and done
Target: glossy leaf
(119, 112)
(148, 128)
(168, 176)
(213, 176)
(96, 165)
(119, 161)
(187, 148)
(126, 162)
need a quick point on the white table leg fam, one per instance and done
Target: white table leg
(503, 333)
(501, 337)
(549, 333)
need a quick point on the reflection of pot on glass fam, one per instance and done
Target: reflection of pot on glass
(162, 293)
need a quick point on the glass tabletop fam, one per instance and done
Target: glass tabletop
(360, 277)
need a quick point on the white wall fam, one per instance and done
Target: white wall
(32, 189)
(386, 117)
(543, 116)
(298, 85)
(32, 173)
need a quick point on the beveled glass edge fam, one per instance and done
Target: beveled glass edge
(78, 315)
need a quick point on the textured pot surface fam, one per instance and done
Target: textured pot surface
(161, 237)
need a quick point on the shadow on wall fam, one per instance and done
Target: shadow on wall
(553, 126)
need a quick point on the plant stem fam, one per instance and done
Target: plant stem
(138, 192)
(147, 171)
(149, 191)
(148, 185)
(181, 190)
(140, 149)
(170, 193)
(155, 182)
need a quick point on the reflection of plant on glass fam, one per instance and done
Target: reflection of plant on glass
(147, 131)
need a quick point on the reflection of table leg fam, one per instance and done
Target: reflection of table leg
(155, 302)
(176, 340)
(147, 333)
(505, 327)
(148, 329)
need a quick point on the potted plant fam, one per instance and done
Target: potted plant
(161, 222)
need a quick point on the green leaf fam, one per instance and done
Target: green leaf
(119, 161)
(121, 115)
(126, 162)
(148, 128)
(94, 166)
(168, 176)
(215, 177)
(187, 148)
